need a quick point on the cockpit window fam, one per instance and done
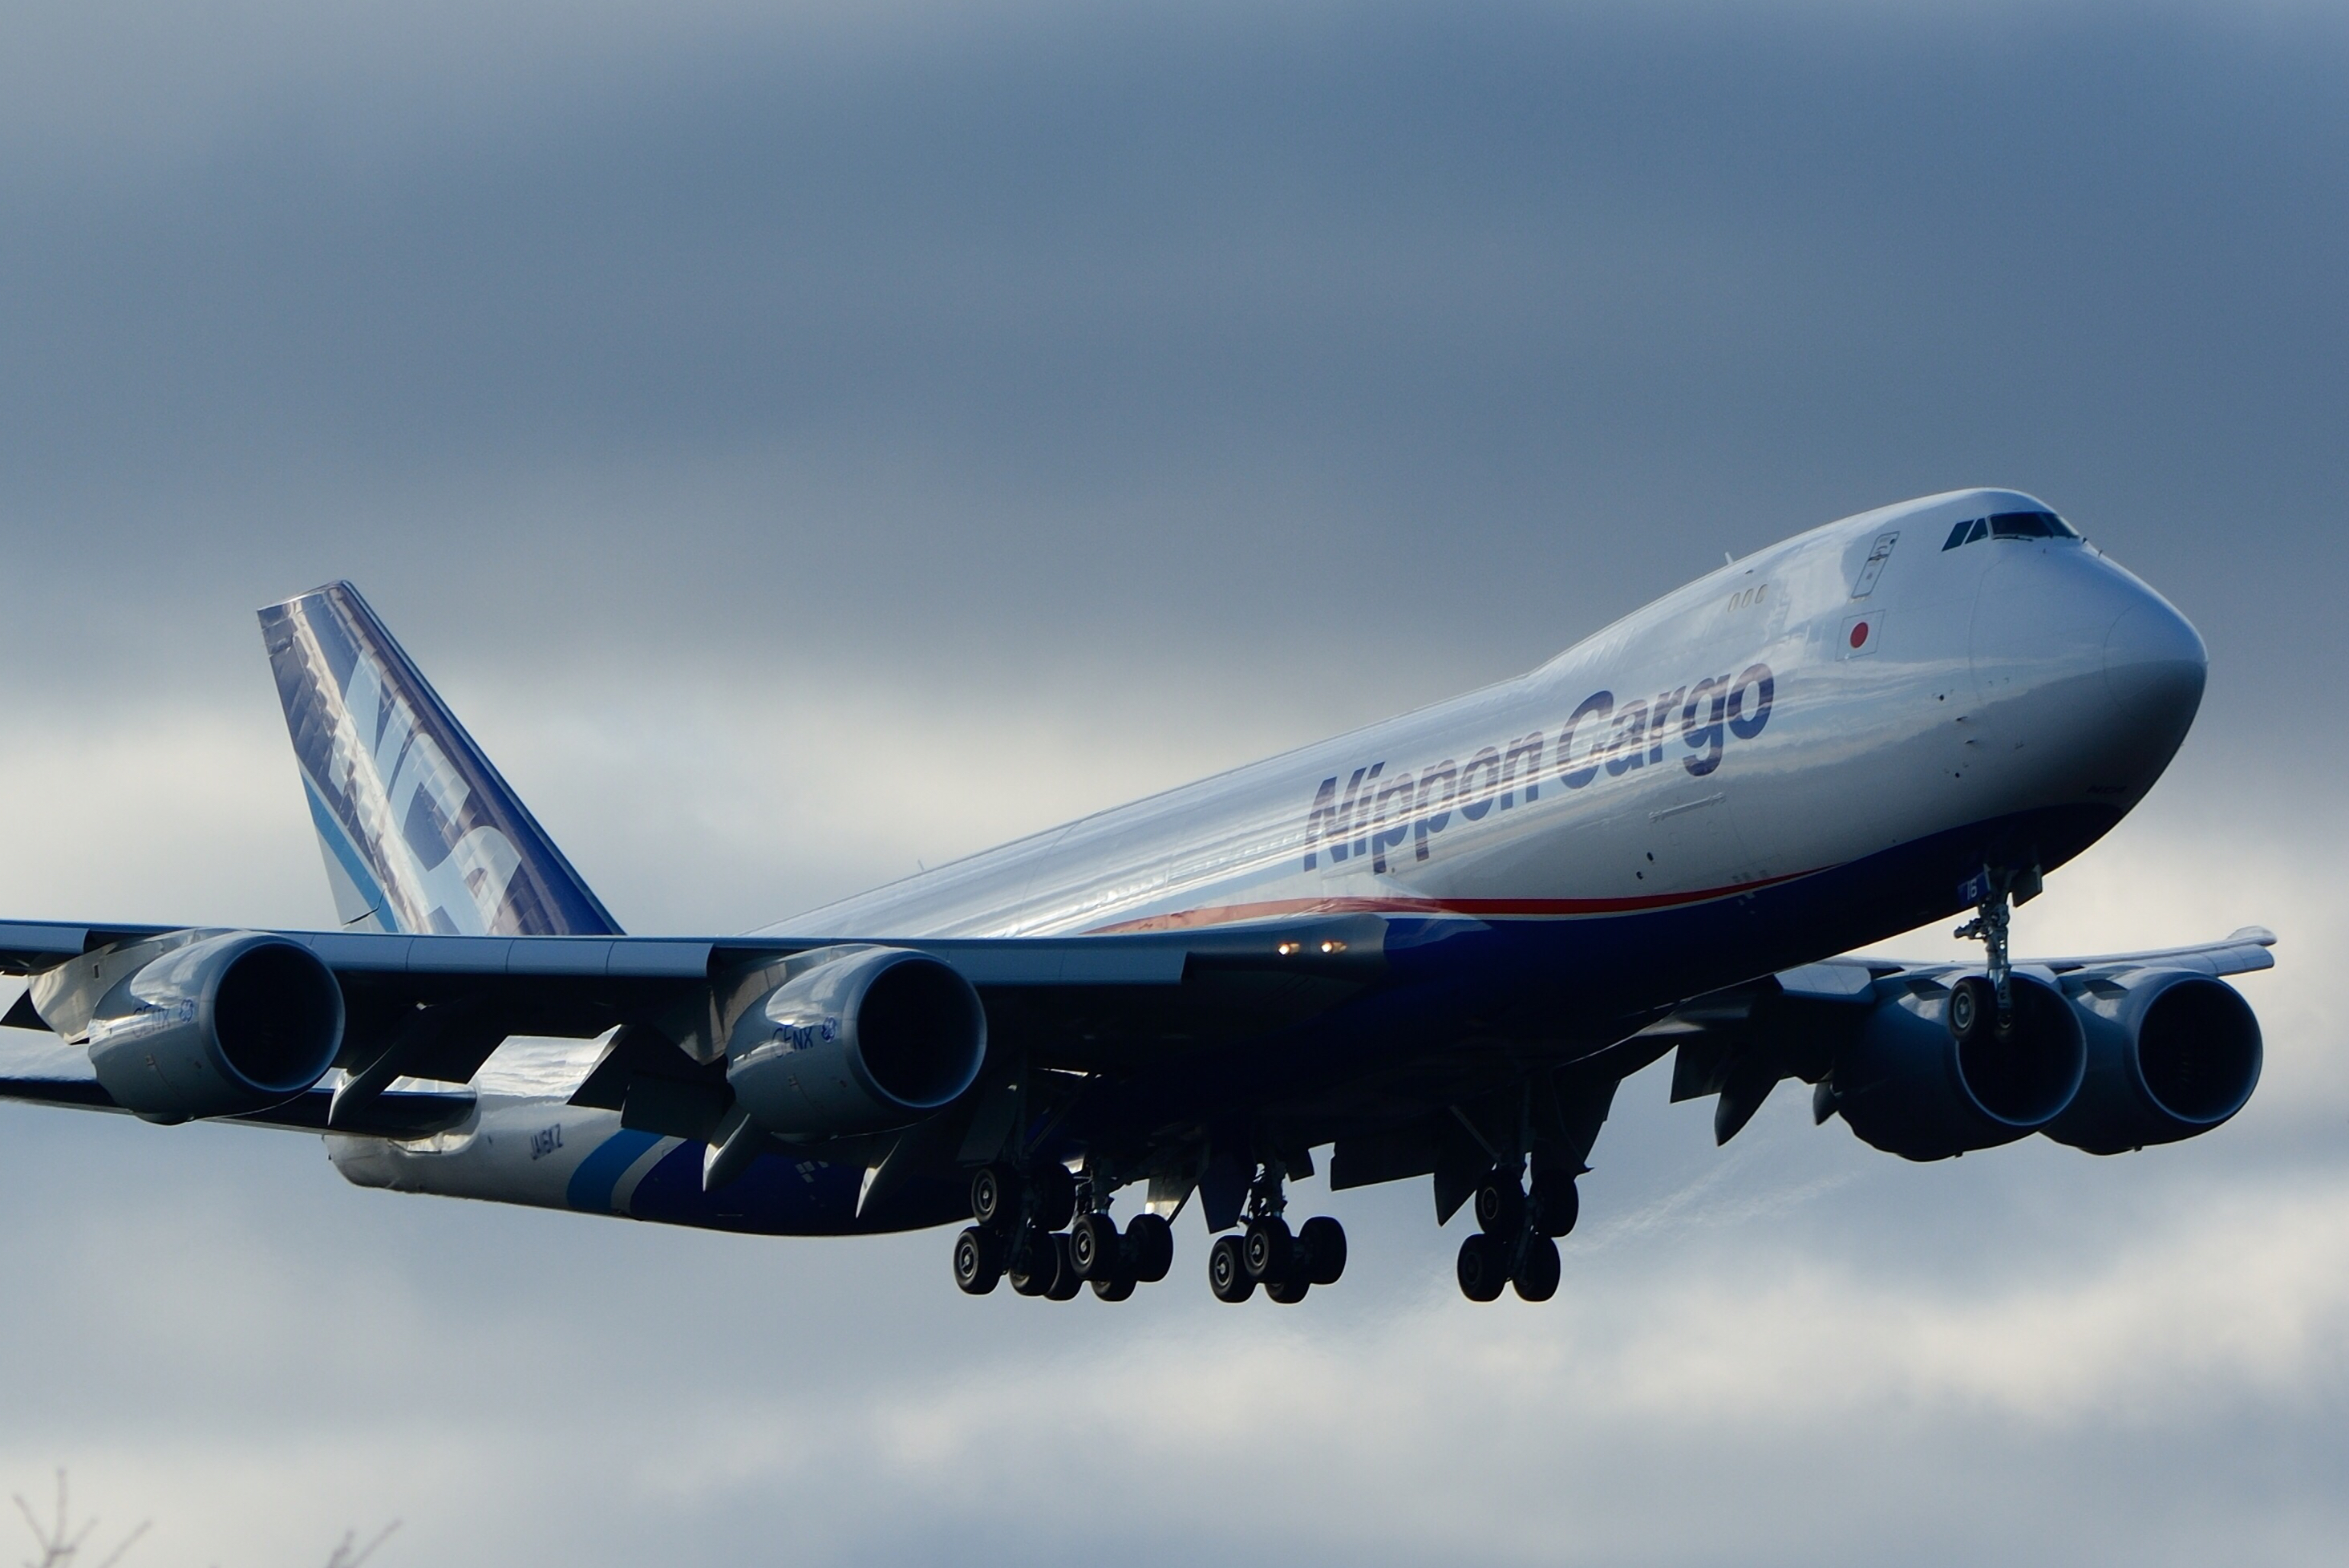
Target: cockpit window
(1967, 532)
(2010, 525)
(2030, 525)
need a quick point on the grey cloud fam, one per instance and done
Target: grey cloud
(1282, 328)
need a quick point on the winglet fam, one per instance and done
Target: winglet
(421, 833)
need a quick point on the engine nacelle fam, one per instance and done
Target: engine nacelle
(2171, 1054)
(222, 1026)
(863, 1040)
(1912, 1087)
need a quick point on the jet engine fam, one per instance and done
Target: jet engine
(861, 1040)
(1913, 1085)
(225, 1026)
(2171, 1054)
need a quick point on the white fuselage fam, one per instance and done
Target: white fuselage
(1997, 678)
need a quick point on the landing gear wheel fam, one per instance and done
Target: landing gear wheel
(1288, 1291)
(1036, 1262)
(1094, 1249)
(1554, 1203)
(1270, 1250)
(1114, 1290)
(1320, 1250)
(1972, 1005)
(1065, 1284)
(994, 1194)
(1149, 1247)
(1537, 1273)
(1227, 1273)
(1500, 1205)
(977, 1261)
(1483, 1268)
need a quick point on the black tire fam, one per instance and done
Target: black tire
(1321, 1249)
(1035, 1267)
(1149, 1247)
(1501, 1205)
(977, 1261)
(1556, 1203)
(1536, 1274)
(1483, 1268)
(1115, 1290)
(1066, 1285)
(1056, 1195)
(1227, 1273)
(1094, 1247)
(1270, 1250)
(994, 1194)
(1288, 1291)
(1972, 1009)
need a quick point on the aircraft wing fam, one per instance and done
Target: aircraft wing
(435, 1007)
(2240, 952)
(1739, 1042)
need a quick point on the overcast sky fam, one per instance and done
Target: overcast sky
(805, 441)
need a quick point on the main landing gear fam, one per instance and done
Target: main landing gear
(1513, 1243)
(1050, 1235)
(1266, 1252)
(1017, 1234)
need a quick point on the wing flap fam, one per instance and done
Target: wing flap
(406, 1114)
(27, 947)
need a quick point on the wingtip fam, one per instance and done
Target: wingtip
(2259, 934)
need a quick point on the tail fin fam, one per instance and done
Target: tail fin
(419, 833)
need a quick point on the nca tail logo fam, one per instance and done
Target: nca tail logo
(382, 766)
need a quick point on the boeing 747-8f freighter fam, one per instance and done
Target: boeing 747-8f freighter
(1430, 948)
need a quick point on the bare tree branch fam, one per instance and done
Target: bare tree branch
(61, 1542)
(128, 1541)
(345, 1557)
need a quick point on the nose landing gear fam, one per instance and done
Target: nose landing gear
(1994, 893)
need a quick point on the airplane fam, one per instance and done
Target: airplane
(1432, 948)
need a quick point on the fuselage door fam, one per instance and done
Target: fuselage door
(1873, 567)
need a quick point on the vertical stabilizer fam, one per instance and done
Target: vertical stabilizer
(419, 833)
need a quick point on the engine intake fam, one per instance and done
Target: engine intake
(2171, 1054)
(859, 1040)
(222, 1026)
(1913, 1086)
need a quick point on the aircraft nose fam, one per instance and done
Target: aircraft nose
(2155, 661)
